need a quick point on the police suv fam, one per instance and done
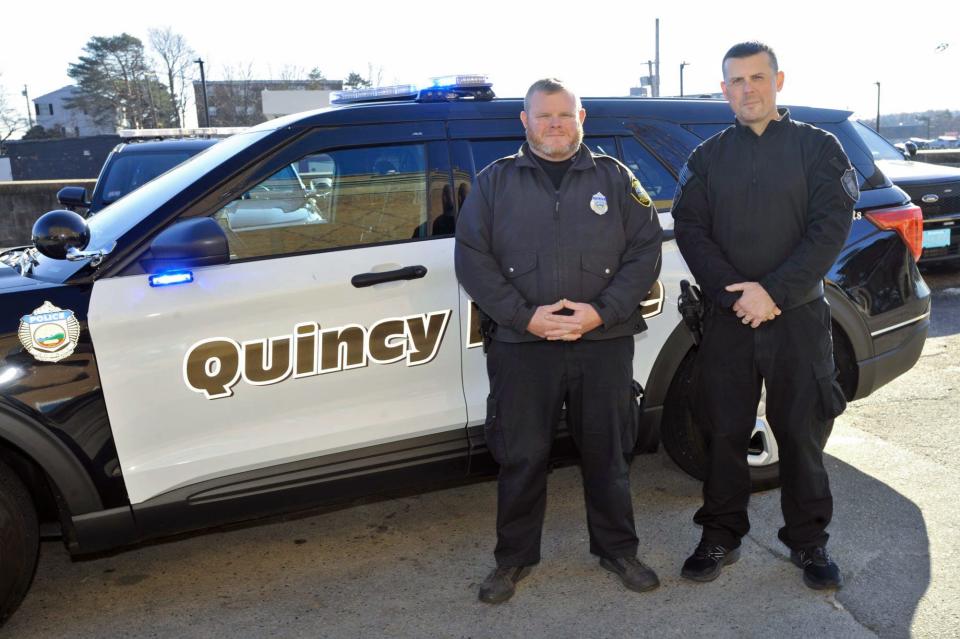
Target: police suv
(276, 324)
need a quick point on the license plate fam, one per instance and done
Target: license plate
(936, 238)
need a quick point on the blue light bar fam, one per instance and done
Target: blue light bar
(374, 94)
(171, 278)
(455, 88)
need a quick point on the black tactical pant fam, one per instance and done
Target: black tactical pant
(529, 384)
(793, 355)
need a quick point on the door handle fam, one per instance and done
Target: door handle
(406, 273)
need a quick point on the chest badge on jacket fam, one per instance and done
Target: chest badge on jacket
(598, 203)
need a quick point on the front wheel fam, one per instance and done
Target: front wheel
(683, 438)
(19, 541)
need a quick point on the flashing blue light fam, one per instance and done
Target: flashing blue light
(171, 278)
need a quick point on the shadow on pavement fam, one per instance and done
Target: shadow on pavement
(411, 567)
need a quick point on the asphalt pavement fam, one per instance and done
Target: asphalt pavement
(410, 567)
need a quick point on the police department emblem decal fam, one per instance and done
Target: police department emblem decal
(598, 203)
(638, 193)
(49, 333)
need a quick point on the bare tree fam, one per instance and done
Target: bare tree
(236, 100)
(10, 120)
(176, 61)
(291, 74)
(374, 74)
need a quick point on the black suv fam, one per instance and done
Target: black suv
(129, 166)
(934, 188)
(276, 323)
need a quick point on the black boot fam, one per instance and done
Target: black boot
(819, 571)
(501, 583)
(707, 560)
(632, 572)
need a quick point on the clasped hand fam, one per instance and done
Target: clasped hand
(755, 305)
(547, 324)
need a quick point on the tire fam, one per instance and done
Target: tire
(683, 438)
(19, 541)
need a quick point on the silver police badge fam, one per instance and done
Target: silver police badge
(49, 333)
(598, 203)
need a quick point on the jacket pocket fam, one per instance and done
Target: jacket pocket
(493, 433)
(515, 265)
(520, 269)
(832, 400)
(596, 270)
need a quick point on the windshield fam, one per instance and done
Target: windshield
(133, 171)
(114, 221)
(878, 146)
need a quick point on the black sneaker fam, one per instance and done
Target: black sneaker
(501, 583)
(632, 572)
(819, 571)
(707, 560)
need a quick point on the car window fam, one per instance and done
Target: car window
(334, 199)
(860, 156)
(877, 145)
(129, 172)
(655, 178)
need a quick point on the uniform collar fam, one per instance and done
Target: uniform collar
(773, 127)
(581, 161)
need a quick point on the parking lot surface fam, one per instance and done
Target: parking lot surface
(411, 566)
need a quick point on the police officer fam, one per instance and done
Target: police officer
(558, 246)
(761, 211)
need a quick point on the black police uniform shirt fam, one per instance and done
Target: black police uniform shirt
(523, 243)
(774, 209)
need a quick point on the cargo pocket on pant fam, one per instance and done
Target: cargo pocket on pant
(633, 436)
(492, 433)
(832, 400)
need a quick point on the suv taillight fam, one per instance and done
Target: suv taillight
(906, 220)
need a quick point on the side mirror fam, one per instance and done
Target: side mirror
(186, 244)
(911, 149)
(55, 233)
(73, 197)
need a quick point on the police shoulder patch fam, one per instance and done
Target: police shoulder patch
(637, 192)
(850, 186)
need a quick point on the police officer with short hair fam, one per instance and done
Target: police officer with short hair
(761, 211)
(558, 246)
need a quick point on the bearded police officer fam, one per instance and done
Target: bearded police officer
(558, 246)
(761, 211)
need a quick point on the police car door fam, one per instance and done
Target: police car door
(332, 328)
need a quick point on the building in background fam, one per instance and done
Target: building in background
(249, 102)
(50, 112)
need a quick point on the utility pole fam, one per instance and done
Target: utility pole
(682, 64)
(656, 82)
(878, 107)
(29, 110)
(203, 84)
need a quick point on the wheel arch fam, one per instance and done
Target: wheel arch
(37, 453)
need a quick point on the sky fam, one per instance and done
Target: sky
(832, 53)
